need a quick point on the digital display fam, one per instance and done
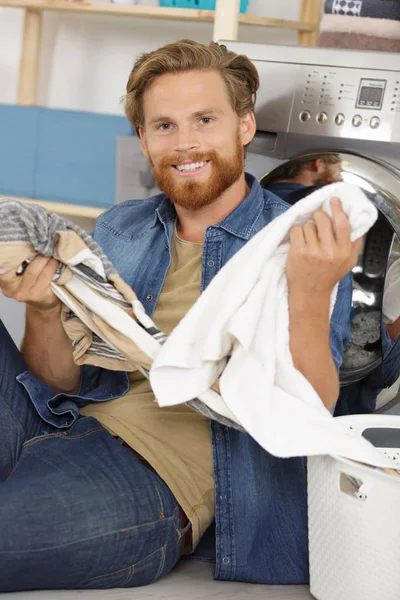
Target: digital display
(371, 93)
(370, 97)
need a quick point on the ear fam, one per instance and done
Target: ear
(247, 127)
(143, 142)
(317, 165)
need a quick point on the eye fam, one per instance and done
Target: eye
(207, 120)
(165, 127)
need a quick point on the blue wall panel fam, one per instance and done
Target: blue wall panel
(59, 155)
(18, 142)
(76, 156)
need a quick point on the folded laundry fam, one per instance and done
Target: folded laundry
(375, 9)
(360, 33)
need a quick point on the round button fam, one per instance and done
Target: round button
(357, 121)
(305, 116)
(226, 560)
(375, 122)
(340, 119)
(211, 263)
(149, 298)
(218, 436)
(322, 118)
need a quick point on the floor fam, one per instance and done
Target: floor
(189, 580)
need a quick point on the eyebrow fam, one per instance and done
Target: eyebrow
(197, 115)
(210, 111)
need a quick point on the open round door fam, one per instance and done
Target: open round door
(375, 311)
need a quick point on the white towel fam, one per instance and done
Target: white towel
(244, 313)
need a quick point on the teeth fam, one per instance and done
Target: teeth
(191, 166)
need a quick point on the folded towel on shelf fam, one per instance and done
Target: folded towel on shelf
(374, 9)
(360, 33)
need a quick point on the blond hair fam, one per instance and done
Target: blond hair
(238, 72)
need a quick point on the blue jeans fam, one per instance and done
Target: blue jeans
(77, 508)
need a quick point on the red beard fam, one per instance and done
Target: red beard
(194, 195)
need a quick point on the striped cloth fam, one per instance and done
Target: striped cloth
(101, 314)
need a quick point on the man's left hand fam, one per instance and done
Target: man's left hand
(321, 252)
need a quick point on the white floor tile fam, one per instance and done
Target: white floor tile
(189, 581)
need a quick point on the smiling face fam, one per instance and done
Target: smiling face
(193, 137)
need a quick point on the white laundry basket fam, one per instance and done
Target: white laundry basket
(354, 519)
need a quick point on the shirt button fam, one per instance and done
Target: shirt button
(167, 247)
(226, 560)
(218, 436)
(211, 263)
(149, 298)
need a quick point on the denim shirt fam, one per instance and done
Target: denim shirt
(261, 501)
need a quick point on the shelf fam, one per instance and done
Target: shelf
(225, 20)
(276, 23)
(152, 12)
(66, 210)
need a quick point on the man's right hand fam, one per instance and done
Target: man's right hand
(46, 348)
(33, 286)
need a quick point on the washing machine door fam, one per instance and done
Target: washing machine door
(375, 311)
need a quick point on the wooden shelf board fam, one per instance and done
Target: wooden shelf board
(61, 208)
(277, 23)
(156, 12)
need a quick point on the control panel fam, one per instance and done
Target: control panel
(331, 101)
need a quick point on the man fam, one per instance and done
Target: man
(299, 177)
(116, 499)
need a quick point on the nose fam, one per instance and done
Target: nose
(186, 139)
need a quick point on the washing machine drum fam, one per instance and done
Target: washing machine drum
(376, 277)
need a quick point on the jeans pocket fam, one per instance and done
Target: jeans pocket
(144, 572)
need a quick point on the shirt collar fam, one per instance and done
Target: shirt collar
(239, 222)
(166, 210)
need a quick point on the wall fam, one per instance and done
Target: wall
(86, 60)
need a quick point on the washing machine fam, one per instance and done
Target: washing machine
(314, 101)
(346, 104)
